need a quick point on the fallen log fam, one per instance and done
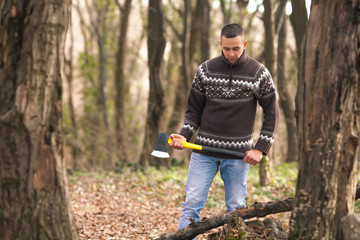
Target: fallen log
(255, 210)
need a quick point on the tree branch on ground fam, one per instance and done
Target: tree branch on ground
(256, 210)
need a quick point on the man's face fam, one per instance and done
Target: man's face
(232, 47)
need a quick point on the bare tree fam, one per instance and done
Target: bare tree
(71, 132)
(226, 9)
(156, 105)
(298, 20)
(183, 83)
(92, 142)
(205, 30)
(286, 100)
(120, 83)
(68, 70)
(34, 199)
(97, 27)
(269, 25)
(328, 121)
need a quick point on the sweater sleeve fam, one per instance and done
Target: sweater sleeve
(267, 98)
(195, 105)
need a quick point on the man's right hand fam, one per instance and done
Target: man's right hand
(177, 141)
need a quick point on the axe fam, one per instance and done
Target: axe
(161, 152)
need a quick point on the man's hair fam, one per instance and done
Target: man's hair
(232, 30)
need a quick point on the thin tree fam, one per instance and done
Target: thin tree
(269, 25)
(286, 99)
(195, 36)
(71, 132)
(298, 19)
(156, 104)
(98, 14)
(87, 65)
(120, 83)
(328, 121)
(183, 83)
(205, 30)
(226, 9)
(34, 201)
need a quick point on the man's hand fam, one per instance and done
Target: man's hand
(253, 157)
(177, 141)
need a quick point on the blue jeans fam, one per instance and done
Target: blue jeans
(202, 171)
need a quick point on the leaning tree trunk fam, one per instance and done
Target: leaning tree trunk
(156, 104)
(328, 105)
(120, 83)
(34, 201)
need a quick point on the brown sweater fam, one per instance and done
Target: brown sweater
(222, 105)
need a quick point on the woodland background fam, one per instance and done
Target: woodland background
(87, 85)
(106, 97)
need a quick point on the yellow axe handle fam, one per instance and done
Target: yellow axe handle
(189, 145)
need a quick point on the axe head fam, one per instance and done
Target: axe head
(160, 151)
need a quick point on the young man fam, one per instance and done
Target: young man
(222, 105)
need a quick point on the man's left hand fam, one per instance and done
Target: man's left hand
(253, 157)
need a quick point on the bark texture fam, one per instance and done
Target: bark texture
(34, 200)
(328, 121)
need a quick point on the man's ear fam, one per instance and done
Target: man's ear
(245, 44)
(220, 43)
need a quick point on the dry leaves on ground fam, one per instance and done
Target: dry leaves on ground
(125, 206)
(134, 205)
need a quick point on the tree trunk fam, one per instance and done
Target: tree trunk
(34, 199)
(156, 104)
(205, 31)
(328, 120)
(100, 31)
(299, 20)
(120, 83)
(71, 134)
(269, 26)
(184, 82)
(226, 9)
(68, 71)
(92, 141)
(286, 101)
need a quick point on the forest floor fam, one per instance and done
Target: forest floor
(144, 205)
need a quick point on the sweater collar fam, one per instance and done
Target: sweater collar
(239, 63)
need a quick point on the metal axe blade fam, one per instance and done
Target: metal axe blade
(160, 150)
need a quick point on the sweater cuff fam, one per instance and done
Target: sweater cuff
(263, 146)
(186, 132)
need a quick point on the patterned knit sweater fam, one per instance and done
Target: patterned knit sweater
(222, 105)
